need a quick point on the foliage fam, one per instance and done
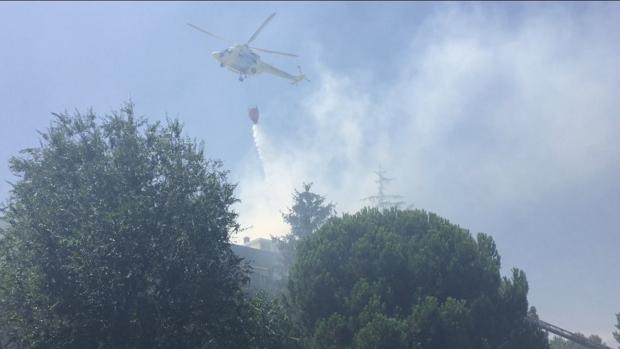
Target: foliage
(118, 237)
(269, 325)
(407, 279)
(308, 213)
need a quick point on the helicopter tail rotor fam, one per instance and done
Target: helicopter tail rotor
(300, 77)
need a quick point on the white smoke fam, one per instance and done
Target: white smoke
(488, 112)
(487, 118)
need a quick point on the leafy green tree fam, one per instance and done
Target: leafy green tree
(407, 279)
(118, 237)
(382, 332)
(269, 325)
(308, 213)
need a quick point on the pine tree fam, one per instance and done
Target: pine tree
(308, 212)
(307, 215)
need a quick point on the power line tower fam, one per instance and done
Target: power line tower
(382, 200)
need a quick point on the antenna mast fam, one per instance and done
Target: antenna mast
(382, 200)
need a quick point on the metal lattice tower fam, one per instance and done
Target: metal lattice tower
(382, 200)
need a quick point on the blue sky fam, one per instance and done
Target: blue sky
(502, 117)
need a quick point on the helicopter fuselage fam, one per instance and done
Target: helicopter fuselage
(240, 59)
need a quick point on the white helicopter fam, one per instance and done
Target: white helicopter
(241, 59)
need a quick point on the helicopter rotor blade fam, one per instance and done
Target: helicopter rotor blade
(209, 33)
(260, 28)
(274, 52)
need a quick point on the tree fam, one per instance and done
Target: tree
(118, 237)
(270, 326)
(407, 279)
(308, 213)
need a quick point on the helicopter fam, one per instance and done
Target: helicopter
(241, 58)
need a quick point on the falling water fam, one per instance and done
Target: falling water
(259, 141)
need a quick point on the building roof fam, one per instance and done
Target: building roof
(257, 258)
(263, 244)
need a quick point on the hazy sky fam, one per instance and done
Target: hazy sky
(502, 117)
